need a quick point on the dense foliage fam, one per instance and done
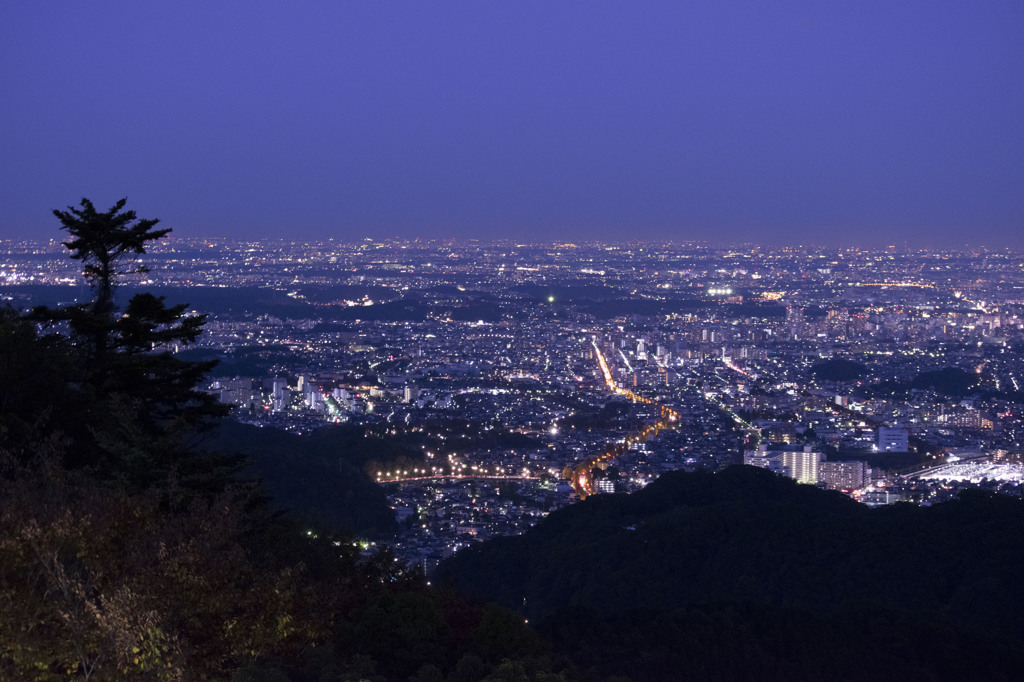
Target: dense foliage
(950, 381)
(111, 384)
(839, 369)
(313, 477)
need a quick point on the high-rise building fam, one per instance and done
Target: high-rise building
(801, 464)
(237, 391)
(893, 439)
(843, 475)
(279, 393)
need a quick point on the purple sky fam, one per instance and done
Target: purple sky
(831, 122)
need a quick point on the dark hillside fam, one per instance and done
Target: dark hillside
(729, 562)
(317, 484)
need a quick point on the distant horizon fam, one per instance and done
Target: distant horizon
(172, 238)
(850, 124)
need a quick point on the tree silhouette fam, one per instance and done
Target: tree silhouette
(124, 554)
(107, 244)
(137, 399)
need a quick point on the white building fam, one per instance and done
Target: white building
(843, 475)
(893, 439)
(802, 465)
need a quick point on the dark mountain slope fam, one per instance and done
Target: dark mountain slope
(705, 572)
(304, 476)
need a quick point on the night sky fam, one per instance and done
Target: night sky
(855, 123)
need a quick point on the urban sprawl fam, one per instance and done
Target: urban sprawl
(530, 376)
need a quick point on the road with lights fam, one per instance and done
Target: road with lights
(582, 478)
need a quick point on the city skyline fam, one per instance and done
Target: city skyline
(846, 125)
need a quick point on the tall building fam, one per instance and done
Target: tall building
(843, 475)
(802, 464)
(795, 321)
(238, 391)
(799, 464)
(893, 439)
(279, 393)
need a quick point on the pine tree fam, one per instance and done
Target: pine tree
(138, 398)
(107, 244)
